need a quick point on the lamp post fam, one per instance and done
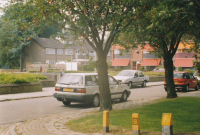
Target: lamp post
(71, 52)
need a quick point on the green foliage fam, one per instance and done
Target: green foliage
(188, 70)
(150, 118)
(20, 78)
(141, 68)
(180, 69)
(87, 67)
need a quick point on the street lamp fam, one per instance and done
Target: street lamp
(71, 52)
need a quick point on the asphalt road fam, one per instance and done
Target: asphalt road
(21, 110)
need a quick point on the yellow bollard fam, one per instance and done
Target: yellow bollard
(136, 124)
(167, 128)
(106, 121)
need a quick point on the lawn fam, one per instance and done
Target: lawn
(186, 118)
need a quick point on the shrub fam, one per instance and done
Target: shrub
(180, 69)
(188, 70)
(141, 68)
(20, 78)
(87, 67)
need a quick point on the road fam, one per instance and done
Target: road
(21, 110)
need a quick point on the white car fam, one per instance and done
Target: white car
(83, 87)
(196, 74)
(132, 77)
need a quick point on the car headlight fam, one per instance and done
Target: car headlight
(123, 81)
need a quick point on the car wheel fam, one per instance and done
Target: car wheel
(95, 100)
(66, 102)
(124, 97)
(197, 87)
(130, 85)
(186, 88)
(144, 84)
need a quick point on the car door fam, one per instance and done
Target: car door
(193, 81)
(136, 78)
(114, 88)
(91, 85)
(141, 78)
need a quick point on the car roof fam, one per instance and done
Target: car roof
(84, 74)
(132, 70)
(181, 72)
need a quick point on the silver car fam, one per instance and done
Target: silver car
(83, 88)
(132, 77)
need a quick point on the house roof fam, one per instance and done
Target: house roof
(120, 62)
(49, 43)
(150, 62)
(185, 45)
(184, 62)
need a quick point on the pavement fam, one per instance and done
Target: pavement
(56, 124)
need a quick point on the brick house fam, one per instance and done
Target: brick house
(183, 58)
(50, 51)
(137, 57)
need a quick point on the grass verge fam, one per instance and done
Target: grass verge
(185, 110)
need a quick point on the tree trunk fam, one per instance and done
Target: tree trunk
(104, 89)
(168, 63)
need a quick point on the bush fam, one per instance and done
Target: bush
(188, 70)
(34, 71)
(87, 67)
(141, 68)
(20, 78)
(180, 69)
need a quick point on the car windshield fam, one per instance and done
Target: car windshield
(178, 75)
(71, 80)
(125, 73)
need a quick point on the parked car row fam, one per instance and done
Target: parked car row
(83, 87)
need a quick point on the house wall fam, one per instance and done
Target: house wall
(35, 53)
(136, 58)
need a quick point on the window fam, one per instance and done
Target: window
(50, 62)
(50, 51)
(116, 51)
(68, 51)
(77, 52)
(136, 74)
(91, 53)
(141, 74)
(90, 80)
(59, 51)
(112, 81)
(85, 52)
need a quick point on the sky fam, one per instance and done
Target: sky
(2, 3)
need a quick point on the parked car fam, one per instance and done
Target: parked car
(196, 75)
(158, 70)
(132, 77)
(184, 81)
(83, 87)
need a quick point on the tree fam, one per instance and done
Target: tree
(6, 58)
(162, 24)
(98, 22)
(20, 35)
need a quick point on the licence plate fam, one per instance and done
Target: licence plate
(175, 82)
(65, 89)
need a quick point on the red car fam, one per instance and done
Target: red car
(184, 81)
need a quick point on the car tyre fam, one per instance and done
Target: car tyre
(66, 102)
(197, 87)
(130, 85)
(95, 101)
(124, 97)
(186, 89)
(144, 84)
